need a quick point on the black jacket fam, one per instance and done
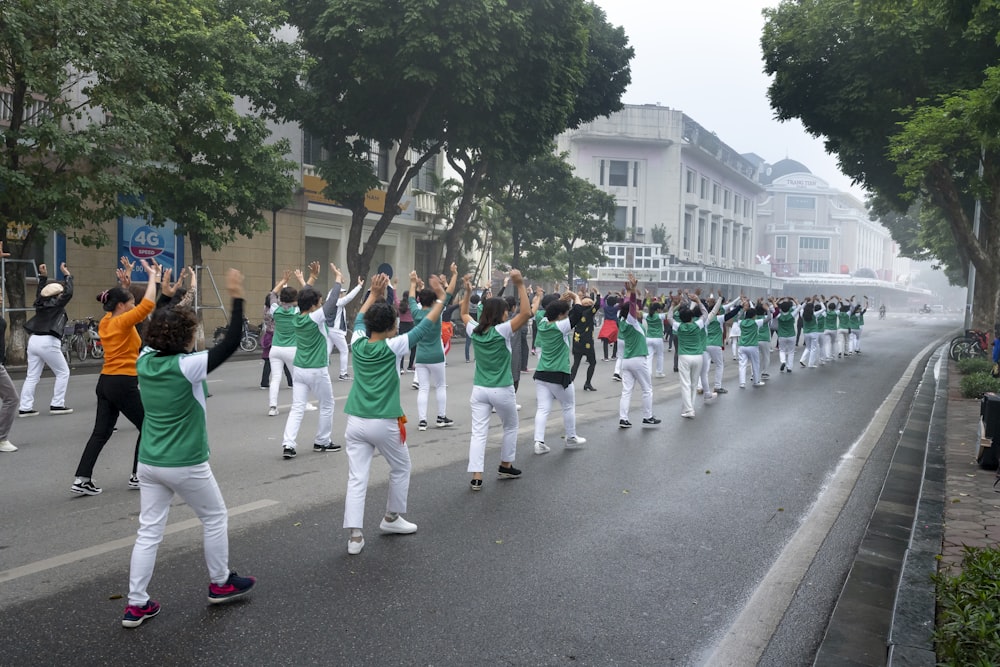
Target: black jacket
(50, 313)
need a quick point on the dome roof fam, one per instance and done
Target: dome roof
(782, 168)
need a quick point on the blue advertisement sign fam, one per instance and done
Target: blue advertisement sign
(137, 239)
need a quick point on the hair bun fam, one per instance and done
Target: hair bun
(103, 296)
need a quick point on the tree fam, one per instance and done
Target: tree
(899, 92)
(660, 236)
(557, 221)
(421, 77)
(64, 158)
(216, 169)
(606, 75)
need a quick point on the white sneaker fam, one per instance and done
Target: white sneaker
(354, 548)
(311, 408)
(400, 525)
(272, 411)
(517, 405)
(5, 446)
(575, 442)
(541, 447)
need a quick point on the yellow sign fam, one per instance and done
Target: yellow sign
(314, 186)
(16, 231)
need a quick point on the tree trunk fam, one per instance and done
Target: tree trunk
(470, 188)
(358, 260)
(196, 260)
(17, 337)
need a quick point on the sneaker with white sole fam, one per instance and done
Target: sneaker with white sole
(234, 588)
(272, 411)
(59, 410)
(422, 426)
(444, 422)
(288, 452)
(133, 482)
(541, 447)
(575, 442)
(398, 525)
(135, 615)
(311, 408)
(508, 472)
(87, 488)
(344, 376)
(354, 548)
(27, 413)
(6, 446)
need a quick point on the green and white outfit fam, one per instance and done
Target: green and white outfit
(492, 389)
(786, 337)
(552, 375)
(749, 352)
(173, 456)
(430, 365)
(635, 365)
(654, 341)
(373, 414)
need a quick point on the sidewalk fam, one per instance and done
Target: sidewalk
(936, 501)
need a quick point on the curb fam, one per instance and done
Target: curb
(887, 603)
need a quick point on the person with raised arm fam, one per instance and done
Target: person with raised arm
(430, 362)
(634, 359)
(493, 384)
(337, 325)
(173, 453)
(375, 419)
(118, 385)
(47, 328)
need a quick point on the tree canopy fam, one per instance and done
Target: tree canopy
(902, 93)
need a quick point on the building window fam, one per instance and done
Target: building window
(725, 241)
(746, 208)
(702, 223)
(711, 239)
(780, 242)
(621, 217)
(635, 174)
(686, 242)
(618, 173)
(798, 201)
(726, 199)
(715, 193)
(600, 180)
(704, 188)
(691, 182)
(813, 243)
(312, 149)
(736, 204)
(814, 266)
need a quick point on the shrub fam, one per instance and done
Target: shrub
(975, 385)
(968, 622)
(975, 365)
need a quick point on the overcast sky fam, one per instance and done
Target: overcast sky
(704, 58)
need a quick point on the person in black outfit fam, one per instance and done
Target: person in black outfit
(583, 341)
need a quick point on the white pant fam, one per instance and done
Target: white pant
(826, 345)
(304, 381)
(855, 340)
(338, 339)
(545, 392)
(765, 355)
(689, 366)
(655, 346)
(197, 487)
(712, 355)
(483, 401)
(45, 351)
(841, 341)
(812, 355)
(361, 439)
(749, 355)
(635, 370)
(786, 350)
(280, 358)
(427, 374)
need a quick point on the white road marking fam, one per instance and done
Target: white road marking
(98, 549)
(747, 638)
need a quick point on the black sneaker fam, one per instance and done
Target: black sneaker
(444, 422)
(422, 426)
(624, 423)
(288, 453)
(27, 413)
(508, 472)
(721, 390)
(59, 410)
(328, 447)
(235, 587)
(87, 488)
(782, 365)
(616, 377)
(652, 421)
(476, 484)
(133, 482)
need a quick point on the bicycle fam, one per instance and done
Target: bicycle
(973, 343)
(248, 341)
(83, 340)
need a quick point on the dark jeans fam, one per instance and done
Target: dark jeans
(265, 375)
(116, 394)
(405, 327)
(578, 356)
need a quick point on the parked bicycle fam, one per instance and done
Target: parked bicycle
(248, 342)
(973, 343)
(81, 339)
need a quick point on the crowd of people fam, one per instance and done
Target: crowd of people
(153, 376)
